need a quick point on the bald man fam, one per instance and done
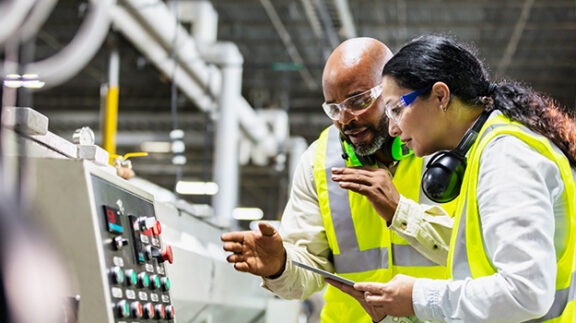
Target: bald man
(363, 226)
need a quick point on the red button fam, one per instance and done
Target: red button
(157, 228)
(167, 254)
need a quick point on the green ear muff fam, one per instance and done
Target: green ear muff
(399, 150)
(348, 153)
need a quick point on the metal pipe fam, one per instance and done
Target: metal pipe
(60, 67)
(12, 14)
(111, 114)
(227, 131)
(156, 17)
(38, 15)
(348, 26)
(148, 45)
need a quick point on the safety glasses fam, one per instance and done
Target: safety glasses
(394, 111)
(355, 105)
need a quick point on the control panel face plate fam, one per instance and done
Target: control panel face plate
(134, 255)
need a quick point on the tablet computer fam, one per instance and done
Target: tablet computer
(324, 273)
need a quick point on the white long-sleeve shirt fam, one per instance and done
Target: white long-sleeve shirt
(425, 227)
(518, 199)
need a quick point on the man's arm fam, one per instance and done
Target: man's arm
(302, 237)
(302, 229)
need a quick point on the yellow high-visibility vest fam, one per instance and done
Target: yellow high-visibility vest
(467, 256)
(363, 248)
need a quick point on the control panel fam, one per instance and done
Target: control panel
(134, 254)
(111, 242)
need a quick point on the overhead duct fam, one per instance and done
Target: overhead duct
(62, 66)
(12, 14)
(152, 28)
(160, 57)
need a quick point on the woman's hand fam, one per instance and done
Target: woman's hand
(393, 298)
(376, 313)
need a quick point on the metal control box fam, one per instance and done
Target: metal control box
(109, 234)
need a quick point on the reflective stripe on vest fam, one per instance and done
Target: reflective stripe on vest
(350, 258)
(461, 266)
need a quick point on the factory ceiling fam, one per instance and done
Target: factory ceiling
(284, 44)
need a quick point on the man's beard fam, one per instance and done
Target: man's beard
(380, 137)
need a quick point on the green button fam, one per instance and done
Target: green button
(167, 283)
(146, 281)
(134, 278)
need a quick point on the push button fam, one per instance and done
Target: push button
(148, 312)
(165, 283)
(131, 278)
(143, 280)
(117, 275)
(170, 312)
(122, 309)
(155, 282)
(136, 309)
(159, 312)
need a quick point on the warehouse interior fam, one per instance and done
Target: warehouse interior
(229, 92)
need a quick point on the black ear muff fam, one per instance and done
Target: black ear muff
(442, 179)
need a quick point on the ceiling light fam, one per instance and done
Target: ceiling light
(30, 81)
(159, 147)
(247, 213)
(196, 188)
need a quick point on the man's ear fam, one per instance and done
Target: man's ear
(441, 92)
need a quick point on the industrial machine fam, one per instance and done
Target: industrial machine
(130, 257)
(109, 232)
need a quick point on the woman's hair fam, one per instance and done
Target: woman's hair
(429, 59)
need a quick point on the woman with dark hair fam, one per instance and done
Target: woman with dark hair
(511, 154)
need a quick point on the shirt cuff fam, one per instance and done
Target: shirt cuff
(280, 281)
(402, 219)
(426, 299)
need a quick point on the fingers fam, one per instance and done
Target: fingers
(233, 247)
(235, 258)
(266, 229)
(373, 298)
(237, 236)
(241, 266)
(373, 288)
(345, 288)
(362, 178)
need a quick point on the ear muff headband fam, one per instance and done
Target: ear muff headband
(442, 179)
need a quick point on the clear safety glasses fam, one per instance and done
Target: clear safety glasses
(355, 105)
(394, 111)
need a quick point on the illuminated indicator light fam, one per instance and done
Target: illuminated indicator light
(157, 229)
(115, 227)
(146, 281)
(126, 309)
(134, 278)
(167, 283)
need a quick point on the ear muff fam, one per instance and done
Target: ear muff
(442, 179)
(394, 149)
(399, 150)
